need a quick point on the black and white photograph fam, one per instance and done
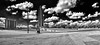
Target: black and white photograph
(49, 22)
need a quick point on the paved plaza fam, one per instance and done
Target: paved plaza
(11, 37)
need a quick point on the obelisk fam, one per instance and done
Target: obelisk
(40, 19)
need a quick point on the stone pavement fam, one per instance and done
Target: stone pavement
(84, 39)
(32, 38)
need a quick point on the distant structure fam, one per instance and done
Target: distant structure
(10, 24)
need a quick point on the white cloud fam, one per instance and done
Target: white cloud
(24, 13)
(95, 5)
(74, 15)
(66, 21)
(43, 6)
(94, 15)
(12, 0)
(84, 18)
(33, 21)
(51, 18)
(69, 13)
(8, 9)
(62, 6)
(31, 14)
(78, 14)
(49, 10)
(65, 4)
(22, 6)
(63, 22)
(15, 12)
(30, 17)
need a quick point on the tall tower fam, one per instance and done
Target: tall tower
(40, 19)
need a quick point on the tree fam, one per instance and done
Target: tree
(22, 9)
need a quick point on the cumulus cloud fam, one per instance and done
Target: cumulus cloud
(62, 6)
(80, 23)
(65, 4)
(22, 6)
(31, 14)
(75, 15)
(49, 10)
(51, 18)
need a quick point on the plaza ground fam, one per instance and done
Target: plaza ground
(64, 37)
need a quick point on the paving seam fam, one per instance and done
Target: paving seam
(76, 40)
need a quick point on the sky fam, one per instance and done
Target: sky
(49, 3)
(81, 6)
(35, 2)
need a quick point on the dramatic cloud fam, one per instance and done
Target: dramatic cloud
(66, 4)
(62, 6)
